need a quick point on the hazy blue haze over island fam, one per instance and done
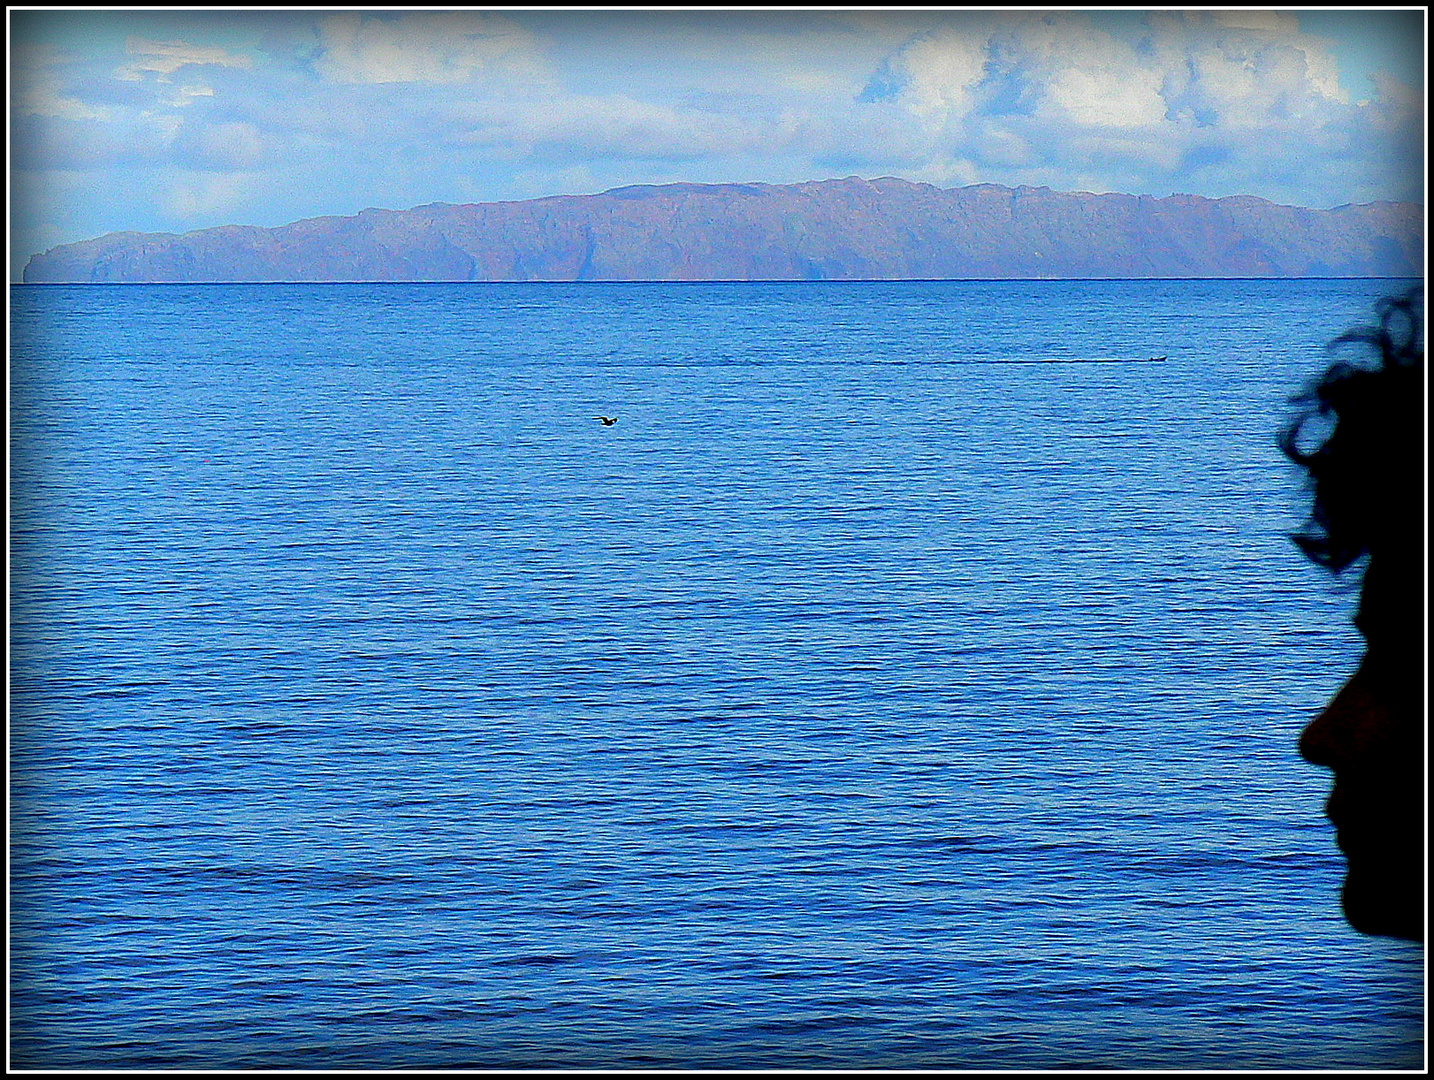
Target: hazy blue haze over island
(849, 229)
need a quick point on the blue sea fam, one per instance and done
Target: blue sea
(909, 679)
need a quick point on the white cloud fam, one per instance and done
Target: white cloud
(1268, 22)
(185, 95)
(37, 88)
(1398, 95)
(44, 96)
(944, 69)
(816, 82)
(163, 58)
(1097, 80)
(1226, 74)
(197, 195)
(1099, 98)
(233, 146)
(1147, 105)
(443, 48)
(997, 146)
(606, 127)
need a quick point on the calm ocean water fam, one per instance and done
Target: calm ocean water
(904, 681)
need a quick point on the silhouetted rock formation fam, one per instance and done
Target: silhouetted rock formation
(832, 229)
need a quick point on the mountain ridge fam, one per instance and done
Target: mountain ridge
(843, 229)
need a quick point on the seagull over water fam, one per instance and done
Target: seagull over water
(607, 421)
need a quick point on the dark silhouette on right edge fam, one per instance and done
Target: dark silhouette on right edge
(1367, 479)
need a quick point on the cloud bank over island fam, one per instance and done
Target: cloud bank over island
(179, 120)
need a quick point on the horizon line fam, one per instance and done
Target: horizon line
(718, 281)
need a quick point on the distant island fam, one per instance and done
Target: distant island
(835, 230)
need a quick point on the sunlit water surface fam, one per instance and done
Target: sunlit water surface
(909, 678)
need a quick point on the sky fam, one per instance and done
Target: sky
(168, 120)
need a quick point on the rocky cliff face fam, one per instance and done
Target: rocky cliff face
(834, 229)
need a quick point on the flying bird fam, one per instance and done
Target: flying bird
(607, 421)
